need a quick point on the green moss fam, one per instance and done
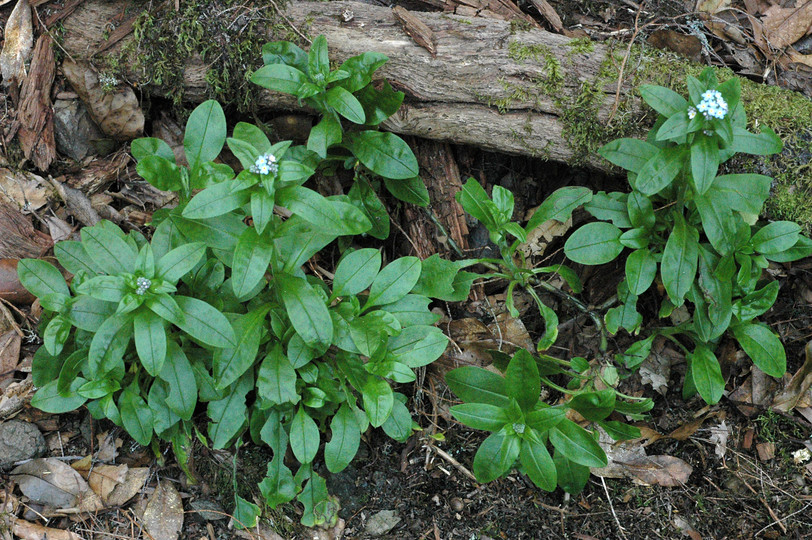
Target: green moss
(519, 25)
(227, 37)
(582, 45)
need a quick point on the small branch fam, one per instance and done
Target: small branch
(457, 465)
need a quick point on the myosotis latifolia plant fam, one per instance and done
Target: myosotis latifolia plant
(510, 405)
(217, 307)
(693, 231)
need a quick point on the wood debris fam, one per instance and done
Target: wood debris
(35, 113)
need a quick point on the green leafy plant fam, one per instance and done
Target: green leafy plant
(523, 426)
(345, 93)
(217, 309)
(693, 231)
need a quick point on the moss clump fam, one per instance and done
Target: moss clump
(582, 45)
(227, 37)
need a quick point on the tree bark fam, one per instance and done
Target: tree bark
(553, 96)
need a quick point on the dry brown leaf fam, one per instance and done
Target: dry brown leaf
(18, 238)
(19, 43)
(117, 112)
(108, 447)
(712, 7)
(666, 471)
(540, 237)
(10, 287)
(32, 531)
(688, 46)
(163, 515)
(799, 58)
(9, 351)
(798, 386)
(766, 451)
(23, 189)
(132, 484)
(686, 430)
(103, 479)
(50, 481)
(785, 26)
(14, 397)
(718, 438)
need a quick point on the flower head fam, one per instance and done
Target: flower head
(143, 285)
(691, 113)
(265, 164)
(713, 105)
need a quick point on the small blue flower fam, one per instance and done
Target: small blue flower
(265, 164)
(691, 113)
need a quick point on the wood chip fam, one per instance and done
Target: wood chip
(766, 451)
(417, 29)
(36, 114)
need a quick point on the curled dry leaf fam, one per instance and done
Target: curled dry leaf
(718, 438)
(784, 26)
(133, 483)
(51, 482)
(9, 354)
(629, 459)
(163, 515)
(18, 238)
(19, 43)
(797, 391)
(103, 479)
(117, 112)
(32, 531)
(23, 189)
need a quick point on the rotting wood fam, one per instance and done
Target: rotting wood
(36, 115)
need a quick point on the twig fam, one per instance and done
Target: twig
(293, 26)
(612, 508)
(623, 64)
(778, 521)
(459, 466)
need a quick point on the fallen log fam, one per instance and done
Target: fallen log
(488, 83)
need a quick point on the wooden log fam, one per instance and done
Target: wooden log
(490, 83)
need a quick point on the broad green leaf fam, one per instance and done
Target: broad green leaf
(230, 363)
(151, 146)
(106, 288)
(205, 133)
(70, 370)
(318, 62)
(659, 171)
(742, 192)
(384, 153)
(677, 126)
(412, 310)
(572, 477)
(474, 200)
(261, 209)
(306, 310)
(630, 154)
(48, 399)
(361, 68)
(594, 243)
(279, 77)
(522, 380)
(610, 207)
(477, 385)
(378, 400)
(379, 104)
(179, 261)
(640, 210)
(342, 219)
(179, 376)
(641, 269)
(364, 197)
(319, 507)
(228, 415)
(205, 323)
(776, 237)
(663, 100)
(284, 52)
(246, 514)
(221, 232)
(417, 346)
(304, 436)
(346, 104)
(706, 374)
(481, 416)
(297, 240)
(757, 302)
(763, 347)
(251, 259)
(165, 306)
(437, 277)
(160, 172)
(87, 313)
(496, 456)
(679, 262)
(344, 441)
(411, 190)
(538, 464)
(276, 379)
(108, 250)
(136, 415)
(150, 341)
(762, 144)
(545, 418)
(801, 249)
(324, 135)
(577, 444)
(594, 406)
(41, 278)
(559, 205)
(399, 424)
(718, 222)
(254, 136)
(215, 201)
(394, 281)
(704, 162)
(108, 345)
(72, 255)
(277, 487)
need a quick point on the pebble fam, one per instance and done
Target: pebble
(19, 441)
(457, 504)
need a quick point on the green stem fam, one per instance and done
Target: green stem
(578, 304)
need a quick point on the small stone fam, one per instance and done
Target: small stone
(381, 523)
(74, 130)
(19, 441)
(208, 510)
(457, 504)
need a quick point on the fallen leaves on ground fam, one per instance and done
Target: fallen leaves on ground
(629, 459)
(19, 36)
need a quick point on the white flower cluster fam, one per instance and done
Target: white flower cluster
(801, 456)
(265, 164)
(143, 284)
(518, 428)
(713, 105)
